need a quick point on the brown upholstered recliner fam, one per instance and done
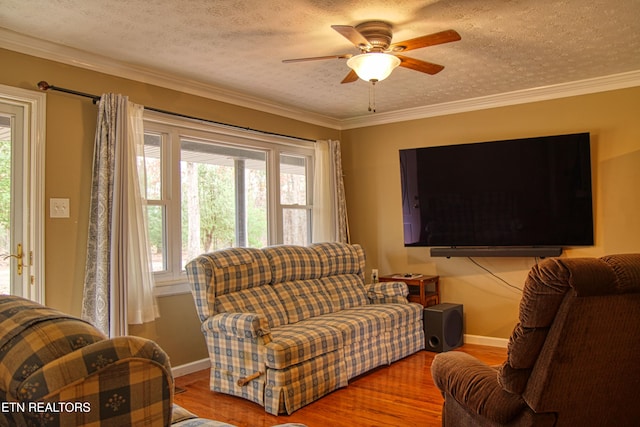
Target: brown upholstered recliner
(573, 358)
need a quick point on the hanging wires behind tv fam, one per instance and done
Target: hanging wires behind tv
(496, 276)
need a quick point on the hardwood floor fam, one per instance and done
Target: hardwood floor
(398, 395)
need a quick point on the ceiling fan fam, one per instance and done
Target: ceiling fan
(378, 55)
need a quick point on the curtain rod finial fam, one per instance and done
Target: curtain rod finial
(42, 85)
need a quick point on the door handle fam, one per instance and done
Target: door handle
(18, 257)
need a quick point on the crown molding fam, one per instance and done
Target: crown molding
(56, 52)
(525, 96)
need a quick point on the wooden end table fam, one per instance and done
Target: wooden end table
(418, 287)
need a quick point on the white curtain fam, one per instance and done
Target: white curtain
(118, 286)
(330, 221)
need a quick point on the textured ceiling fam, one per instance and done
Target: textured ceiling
(238, 46)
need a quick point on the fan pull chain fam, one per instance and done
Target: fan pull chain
(372, 96)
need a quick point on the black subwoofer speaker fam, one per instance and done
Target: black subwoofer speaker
(442, 327)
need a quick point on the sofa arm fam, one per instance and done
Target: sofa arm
(474, 385)
(121, 381)
(388, 292)
(240, 325)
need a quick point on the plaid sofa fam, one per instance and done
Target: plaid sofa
(57, 370)
(285, 325)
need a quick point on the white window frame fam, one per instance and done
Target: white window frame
(173, 129)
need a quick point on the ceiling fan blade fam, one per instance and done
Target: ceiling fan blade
(318, 58)
(424, 41)
(351, 77)
(353, 35)
(419, 65)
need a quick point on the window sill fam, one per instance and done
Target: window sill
(168, 288)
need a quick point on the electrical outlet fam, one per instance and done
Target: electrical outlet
(58, 208)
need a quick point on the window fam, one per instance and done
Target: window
(294, 190)
(210, 188)
(224, 197)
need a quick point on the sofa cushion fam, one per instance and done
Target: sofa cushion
(398, 316)
(261, 300)
(388, 292)
(236, 269)
(346, 290)
(337, 258)
(225, 271)
(303, 299)
(290, 262)
(356, 325)
(297, 342)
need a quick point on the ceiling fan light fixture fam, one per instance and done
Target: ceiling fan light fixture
(374, 66)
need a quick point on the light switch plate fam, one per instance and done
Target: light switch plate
(58, 208)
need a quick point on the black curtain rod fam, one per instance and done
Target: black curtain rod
(44, 86)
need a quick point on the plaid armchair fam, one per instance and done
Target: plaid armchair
(57, 370)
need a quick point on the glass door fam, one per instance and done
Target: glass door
(12, 201)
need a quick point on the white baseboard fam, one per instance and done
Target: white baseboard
(488, 341)
(191, 367)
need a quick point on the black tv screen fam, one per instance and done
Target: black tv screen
(514, 193)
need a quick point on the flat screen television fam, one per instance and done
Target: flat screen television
(520, 193)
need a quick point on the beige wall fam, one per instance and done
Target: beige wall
(69, 153)
(372, 180)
